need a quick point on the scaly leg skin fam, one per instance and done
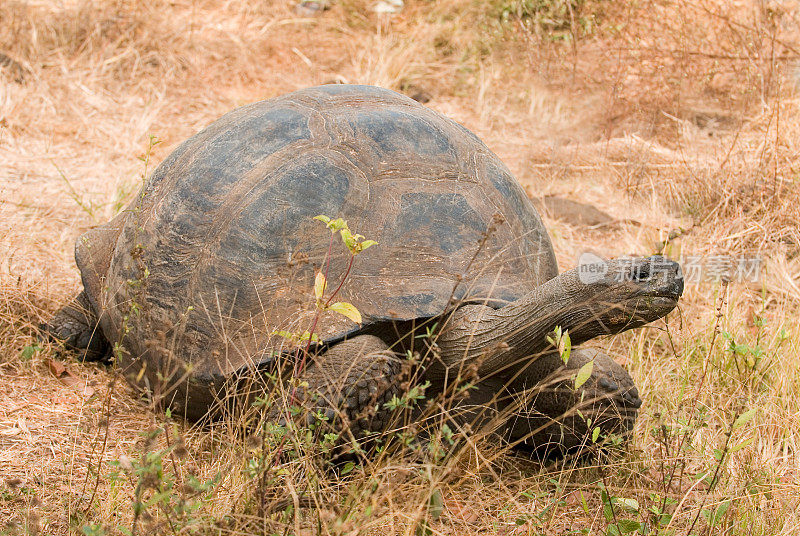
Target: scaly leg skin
(551, 415)
(346, 388)
(75, 326)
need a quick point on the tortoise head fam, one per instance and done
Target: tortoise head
(612, 296)
(604, 298)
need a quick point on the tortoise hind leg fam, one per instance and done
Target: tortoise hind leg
(552, 416)
(76, 326)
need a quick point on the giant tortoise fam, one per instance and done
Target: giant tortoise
(192, 283)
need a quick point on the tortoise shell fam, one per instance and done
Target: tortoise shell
(219, 250)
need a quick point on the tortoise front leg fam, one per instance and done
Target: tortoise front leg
(550, 414)
(346, 387)
(537, 404)
(76, 326)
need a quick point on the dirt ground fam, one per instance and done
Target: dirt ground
(678, 120)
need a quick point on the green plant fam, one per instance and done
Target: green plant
(303, 433)
(562, 343)
(27, 353)
(162, 490)
(88, 207)
(621, 515)
(355, 244)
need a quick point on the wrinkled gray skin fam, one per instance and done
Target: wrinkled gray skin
(219, 250)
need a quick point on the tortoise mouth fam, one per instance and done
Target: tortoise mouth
(669, 291)
(640, 309)
(656, 304)
(665, 299)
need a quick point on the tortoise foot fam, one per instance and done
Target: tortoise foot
(554, 415)
(344, 390)
(75, 326)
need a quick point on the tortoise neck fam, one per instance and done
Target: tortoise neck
(498, 338)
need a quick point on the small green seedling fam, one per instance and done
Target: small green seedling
(355, 244)
(561, 340)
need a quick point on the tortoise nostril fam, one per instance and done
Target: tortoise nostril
(661, 272)
(641, 271)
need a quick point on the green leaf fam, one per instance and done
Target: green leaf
(366, 244)
(608, 510)
(722, 509)
(714, 515)
(300, 384)
(296, 337)
(306, 336)
(348, 239)
(595, 434)
(423, 529)
(630, 504)
(435, 504)
(320, 283)
(744, 418)
(584, 504)
(740, 446)
(627, 526)
(719, 512)
(285, 334)
(337, 224)
(706, 477)
(347, 468)
(555, 336)
(347, 309)
(584, 374)
(561, 340)
(333, 225)
(29, 351)
(566, 349)
(93, 530)
(707, 515)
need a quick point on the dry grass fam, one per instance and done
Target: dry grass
(664, 114)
